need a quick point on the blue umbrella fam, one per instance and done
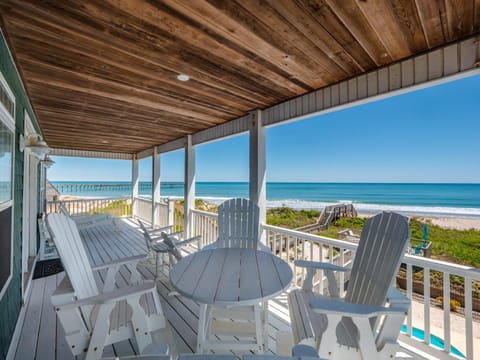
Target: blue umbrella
(425, 234)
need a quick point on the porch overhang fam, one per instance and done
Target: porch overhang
(94, 67)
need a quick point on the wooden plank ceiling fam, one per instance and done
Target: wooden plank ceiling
(101, 74)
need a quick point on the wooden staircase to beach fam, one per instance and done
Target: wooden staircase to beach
(328, 215)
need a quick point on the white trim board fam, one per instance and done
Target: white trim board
(9, 121)
(91, 154)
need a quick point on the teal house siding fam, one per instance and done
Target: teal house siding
(11, 302)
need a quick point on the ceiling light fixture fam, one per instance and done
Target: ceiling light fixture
(47, 162)
(35, 144)
(183, 77)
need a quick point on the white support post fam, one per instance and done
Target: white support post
(134, 185)
(171, 212)
(189, 195)
(258, 175)
(155, 185)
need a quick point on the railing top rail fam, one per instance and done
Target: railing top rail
(85, 200)
(161, 203)
(143, 198)
(315, 238)
(432, 264)
(205, 213)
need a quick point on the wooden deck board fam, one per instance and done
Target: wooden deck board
(45, 346)
(28, 340)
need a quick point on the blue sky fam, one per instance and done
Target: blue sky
(430, 135)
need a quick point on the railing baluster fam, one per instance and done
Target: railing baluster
(409, 294)
(446, 311)
(426, 304)
(342, 274)
(295, 257)
(468, 317)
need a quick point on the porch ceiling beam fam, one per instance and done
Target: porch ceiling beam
(91, 154)
(172, 145)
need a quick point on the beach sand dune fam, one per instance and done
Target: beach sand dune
(453, 223)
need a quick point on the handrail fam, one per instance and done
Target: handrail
(307, 236)
(432, 264)
(205, 213)
(114, 206)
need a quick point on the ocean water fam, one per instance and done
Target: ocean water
(456, 200)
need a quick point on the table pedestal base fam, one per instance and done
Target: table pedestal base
(216, 322)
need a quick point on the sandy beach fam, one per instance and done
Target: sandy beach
(453, 223)
(456, 223)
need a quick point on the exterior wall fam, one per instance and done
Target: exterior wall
(11, 302)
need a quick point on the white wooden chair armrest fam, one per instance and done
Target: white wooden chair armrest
(313, 266)
(119, 262)
(342, 308)
(396, 298)
(111, 297)
(188, 241)
(318, 265)
(159, 230)
(303, 350)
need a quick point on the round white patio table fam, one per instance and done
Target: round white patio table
(231, 277)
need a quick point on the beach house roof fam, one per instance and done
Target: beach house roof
(92, 66)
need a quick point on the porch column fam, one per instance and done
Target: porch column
(155, 185)
(258, 177)
(189, 195)
(134, 184)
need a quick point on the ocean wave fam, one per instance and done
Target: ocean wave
(437, 211)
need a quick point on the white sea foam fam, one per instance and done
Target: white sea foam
(436, 211)
(367, 208)
(433, 211)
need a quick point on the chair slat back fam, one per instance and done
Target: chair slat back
(381, 248)
(73, 255)
(238, 224)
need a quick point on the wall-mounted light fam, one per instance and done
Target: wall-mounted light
(35, 144)
(47, 162)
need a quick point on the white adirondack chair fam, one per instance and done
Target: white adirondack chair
(155, 242)
(92, 319)
(365, 324)
(238, 227)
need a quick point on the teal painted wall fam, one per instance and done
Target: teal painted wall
(11, 302)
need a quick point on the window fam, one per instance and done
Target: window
(7, 132)
(6, 164)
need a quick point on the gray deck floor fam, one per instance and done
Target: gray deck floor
(42, 336)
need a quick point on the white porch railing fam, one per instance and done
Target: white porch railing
(115, 207)
(161, 219)
(298, 245)
(205, 223)
(143, 209)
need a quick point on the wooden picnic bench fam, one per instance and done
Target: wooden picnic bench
(109, 245)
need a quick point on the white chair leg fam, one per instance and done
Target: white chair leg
(202, 321)
(259, 327)
(265, 326)
(99, 334)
